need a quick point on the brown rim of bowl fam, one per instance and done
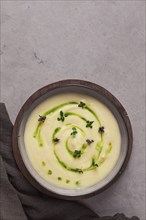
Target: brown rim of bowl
(51, 87)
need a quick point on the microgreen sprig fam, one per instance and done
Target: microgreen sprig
(77, 154)
(56, 140)
(94, 164)
(42, 118)
(89, 141)
(89, 124)
(74, 132)
(101, 129)
(82, 104)
(78, 170)
(62, 116)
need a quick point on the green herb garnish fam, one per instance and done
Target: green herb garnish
(77, 153)
(94, 164)
(101, 129)
(62, 116)
(67, 181)
(89, 124)
(59, 178)
(50, 172)
(74, 132)
(43, 163)
(78, 170)
(42, 118)
(89, 141)
(56, 140)
(81, 104)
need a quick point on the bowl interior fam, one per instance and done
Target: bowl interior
(124, 140)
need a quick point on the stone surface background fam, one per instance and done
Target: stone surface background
(100, 41)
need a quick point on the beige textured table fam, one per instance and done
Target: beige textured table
(99, 41)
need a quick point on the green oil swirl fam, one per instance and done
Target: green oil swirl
(55, 132)
(58, 107)
(54, 109)
(37, 134)
(76, 170)
(98, 146)
(82, 149)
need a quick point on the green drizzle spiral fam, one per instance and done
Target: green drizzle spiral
(96, 160)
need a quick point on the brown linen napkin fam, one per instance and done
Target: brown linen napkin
(20, 201)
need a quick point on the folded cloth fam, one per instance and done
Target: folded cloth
(19, 200)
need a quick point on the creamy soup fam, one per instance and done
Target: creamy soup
(72, 140)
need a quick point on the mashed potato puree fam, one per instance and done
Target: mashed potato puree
(72, 140)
